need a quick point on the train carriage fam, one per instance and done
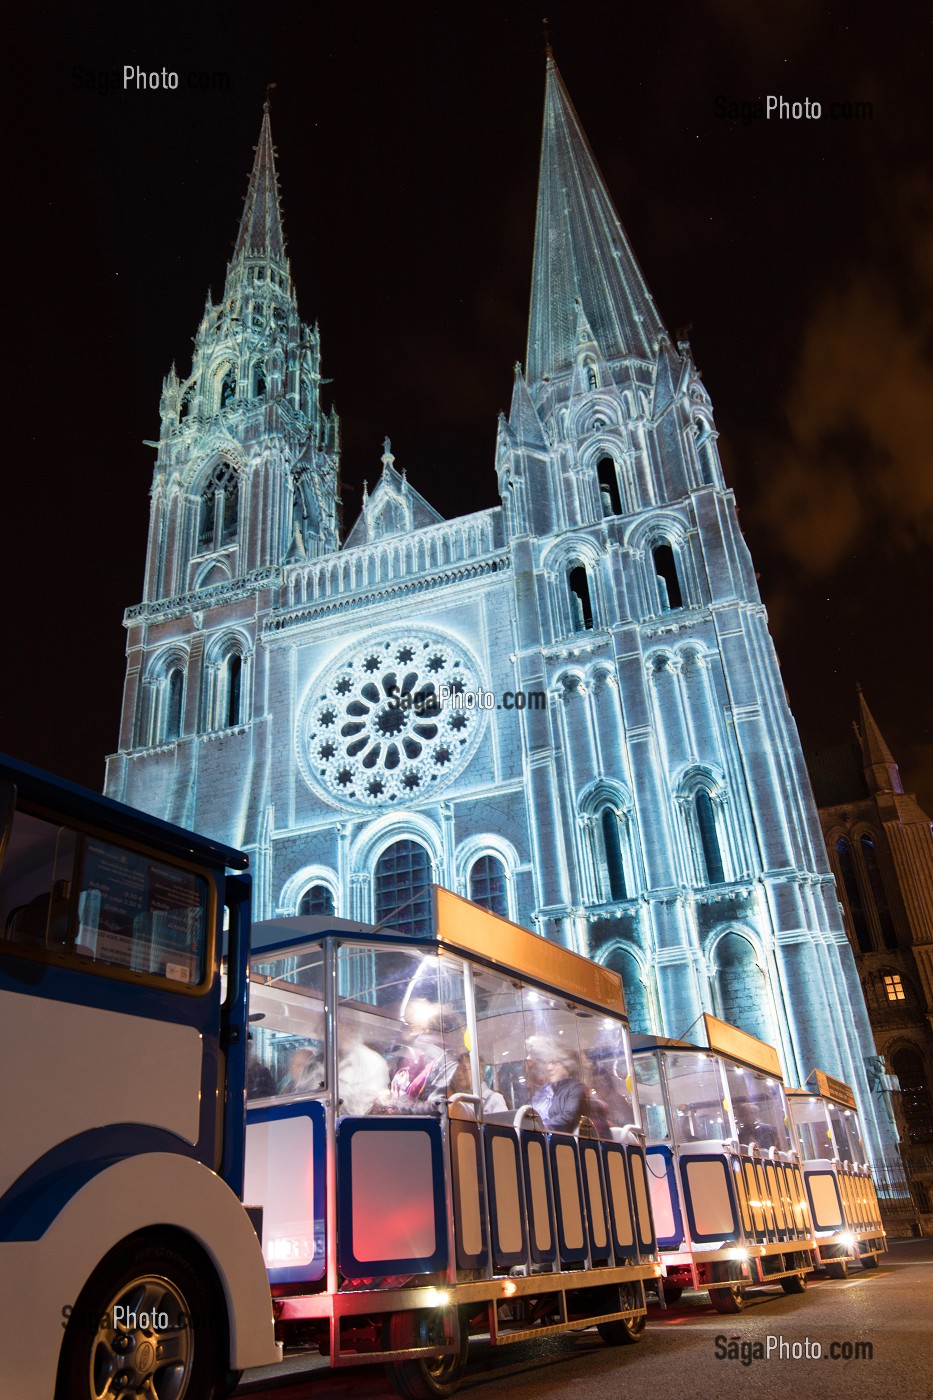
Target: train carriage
(846, 1215)
(444, 1140)
(727, 1193)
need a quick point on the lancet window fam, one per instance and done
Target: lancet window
(670, 594)
(581, 606)
(219, 512)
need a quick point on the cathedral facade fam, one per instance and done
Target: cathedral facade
(880, 844)
(568, 707)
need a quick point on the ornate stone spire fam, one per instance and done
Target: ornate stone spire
(260, 233)
(583, 261)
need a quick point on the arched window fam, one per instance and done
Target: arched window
(665, 568)
(228, 387)
(217, 522)
(487, 885)
(403, 878)
(174, 702)
(260, 380)
(709, 838)
(233, 673)
(609, 486)
(581, 608)
(592, 378)
(878, 892)
(637, 1001)
(853, 895)
(318, 899)
(743, 993)
(613, 867)
(706, 453)
(916, 1103)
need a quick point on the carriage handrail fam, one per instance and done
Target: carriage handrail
(631, 1133)
(526, 1110)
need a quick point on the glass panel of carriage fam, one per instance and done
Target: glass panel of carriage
(846, 1215)
(450, 1125)
(727, 1190)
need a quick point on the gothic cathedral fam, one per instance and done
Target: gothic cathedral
(567, 708)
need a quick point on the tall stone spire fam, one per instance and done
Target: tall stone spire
(581, 254)
(260, 233)
(881, 771)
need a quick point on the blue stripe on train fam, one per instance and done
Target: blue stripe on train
(36, 1198)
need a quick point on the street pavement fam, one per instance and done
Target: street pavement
(691, 1352)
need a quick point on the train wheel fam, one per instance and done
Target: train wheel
(837, 1268)
(797, 1283)
(730, 1299)
(869, 1261)
(622, 1331)
(673, 1292)
(430, 1377)
(147, 1322)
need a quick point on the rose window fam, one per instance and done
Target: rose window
(382, 724)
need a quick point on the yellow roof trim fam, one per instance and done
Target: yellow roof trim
(729, 1040)
(466, 928)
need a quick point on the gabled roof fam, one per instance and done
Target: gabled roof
(393, 508)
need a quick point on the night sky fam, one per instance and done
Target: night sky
(799, 253)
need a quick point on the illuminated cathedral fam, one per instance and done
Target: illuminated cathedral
(614, 764)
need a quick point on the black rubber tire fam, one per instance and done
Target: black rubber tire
(730, 1299)
(869, 1261)
(796, 1283)
(837, 1268)
(131, 1276)
(425, 1378)
(673, 1292)
(622, 1332)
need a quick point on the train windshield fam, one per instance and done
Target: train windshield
(760, 1107)
(845, 1127)
(697, 1097)
(813, 1131)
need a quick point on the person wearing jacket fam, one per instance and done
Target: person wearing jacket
(561, 1100)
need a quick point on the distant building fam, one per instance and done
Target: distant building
(637, 789)
(880, 844)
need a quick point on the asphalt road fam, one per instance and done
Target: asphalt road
(891, 1308)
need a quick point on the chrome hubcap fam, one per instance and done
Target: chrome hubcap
(143, 1346)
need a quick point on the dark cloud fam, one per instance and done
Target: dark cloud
(857, 459)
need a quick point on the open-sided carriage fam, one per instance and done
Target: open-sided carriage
(844, 1206)
(728, 1198)
(444, 1139)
